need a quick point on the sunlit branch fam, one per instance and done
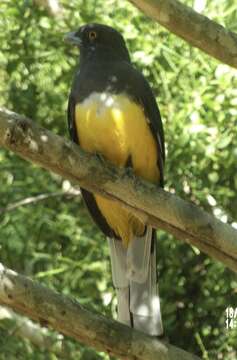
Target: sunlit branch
(151, 204)
(69, 318)
(198, 30)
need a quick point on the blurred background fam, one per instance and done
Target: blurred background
(45, 231)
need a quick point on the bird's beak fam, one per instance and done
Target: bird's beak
(72, 38)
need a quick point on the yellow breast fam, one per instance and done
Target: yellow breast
(116, 127)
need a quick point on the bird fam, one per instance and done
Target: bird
(112, 112)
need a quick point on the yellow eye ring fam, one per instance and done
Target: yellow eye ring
(92, 35)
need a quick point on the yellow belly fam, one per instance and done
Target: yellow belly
(117, 128)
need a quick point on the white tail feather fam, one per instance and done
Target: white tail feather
(135, 279)
(138, 257)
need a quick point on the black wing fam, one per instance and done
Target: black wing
(147, 99)
(71, 119)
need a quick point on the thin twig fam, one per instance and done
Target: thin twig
(38, 198)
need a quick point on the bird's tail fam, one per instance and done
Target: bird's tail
(134, 276)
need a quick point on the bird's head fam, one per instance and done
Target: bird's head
(99, 40)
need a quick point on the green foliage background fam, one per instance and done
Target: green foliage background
(54, 241)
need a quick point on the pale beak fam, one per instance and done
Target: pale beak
(72, 38)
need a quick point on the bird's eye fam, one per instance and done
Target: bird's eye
(92, 35)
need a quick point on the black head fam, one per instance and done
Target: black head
(100, 41)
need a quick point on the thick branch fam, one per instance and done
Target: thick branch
(153, 205)
(70, 318)
(196, 29)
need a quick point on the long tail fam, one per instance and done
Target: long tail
(134, 276)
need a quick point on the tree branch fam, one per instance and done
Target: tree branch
(24, 328)
(53, 7)
(151, 204)
(38, 198)
(70, 318)
(198, 30)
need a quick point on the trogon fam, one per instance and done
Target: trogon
(112, 111)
